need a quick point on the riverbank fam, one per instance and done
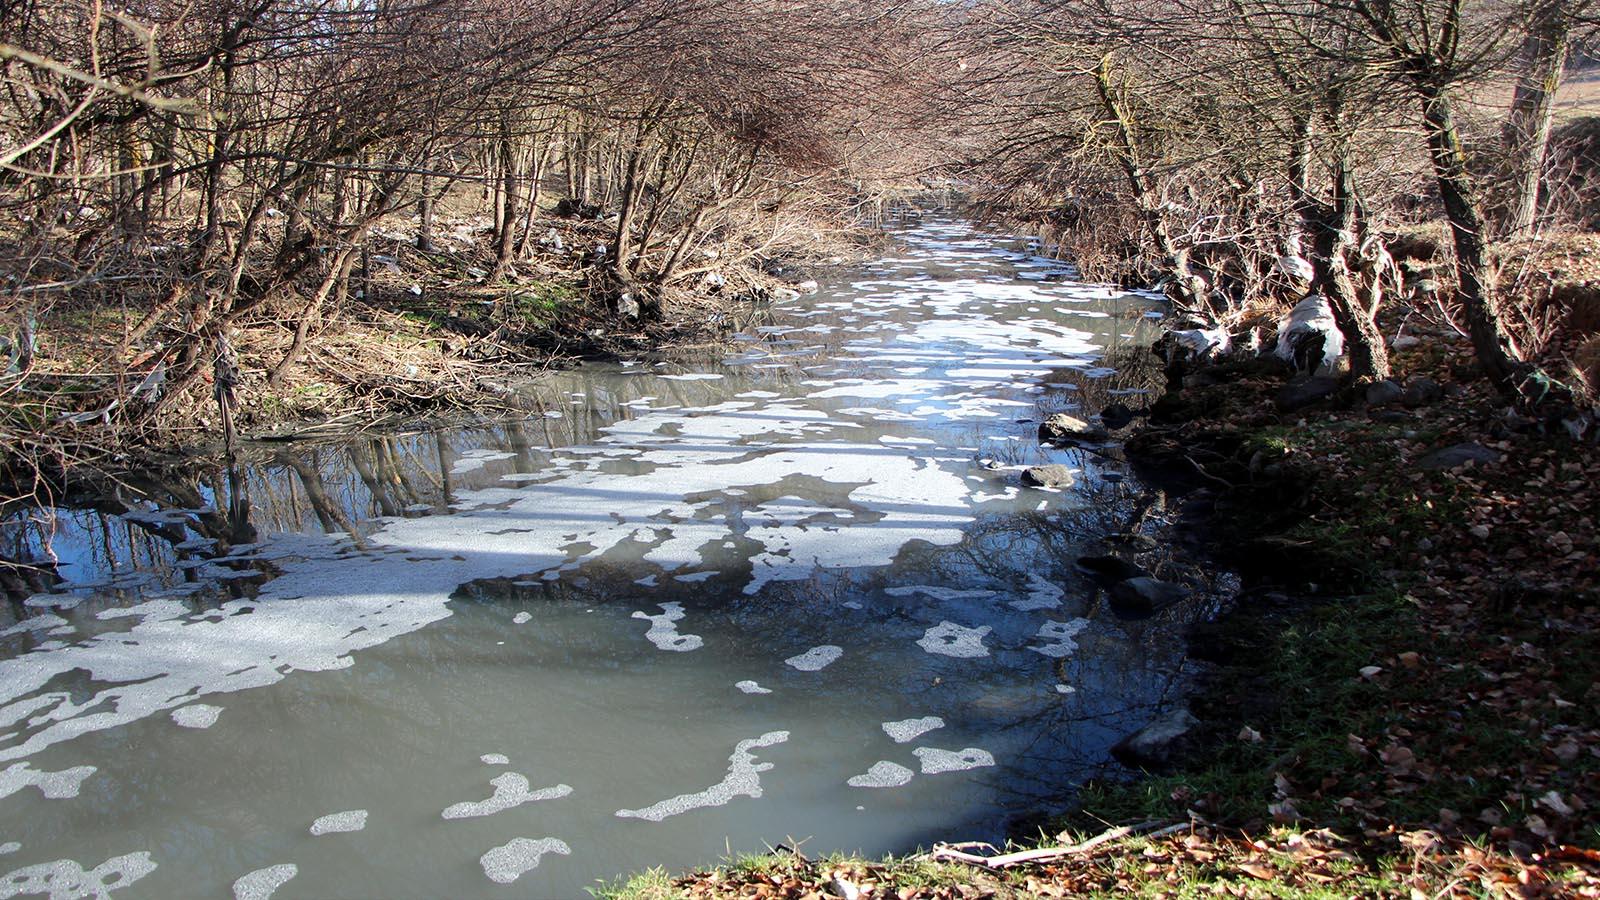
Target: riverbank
(409, 336)
(1404, 699)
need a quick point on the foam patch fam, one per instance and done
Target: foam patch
(950, 639)
(510, 791)
(743, 780)
(340, 822)
(260, 884)
(883, 774)
(508, 862)
(815, 659)
(936, 761)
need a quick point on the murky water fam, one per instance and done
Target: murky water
(795, 595)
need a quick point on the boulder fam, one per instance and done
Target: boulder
(1116, 416)
(1064, 429)
(1052, 475)
(1303, 392)
(1423, 391)
(1143, 596)
(1155, 743)
(1383, 393)
(1458, 455)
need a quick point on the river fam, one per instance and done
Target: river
(696, 607)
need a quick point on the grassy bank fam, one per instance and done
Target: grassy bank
(1403, 703)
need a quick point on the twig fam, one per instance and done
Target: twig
(947, 853)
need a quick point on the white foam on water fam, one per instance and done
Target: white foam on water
(260, 884)
(522, 618)
(44, 622)
(743, 780)
(935, 761)
(907, 730)
(815, 659)
(664, 629)
(1042, 594)
(54, 785)
(1058, 637)
(495, 759)
(751, 687)
(473, 460)
(950, 639)
(65, 879)
(938, 593)
(883, 774)
(510, 791)
(9, 847)
(508, 862)
(196, 715)
(340, 822)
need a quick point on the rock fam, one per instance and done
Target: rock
(1113, 567)
(1303, 392)
(1116, 416)
(1422, 391)
(1154, 744)
(1404, 342)
(1144, 595)
(1392, 416)
(1383, 393)
(1052, 475)
(1458, 455)
(1064, 429)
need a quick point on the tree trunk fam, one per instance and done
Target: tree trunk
(1496, 351)
(1544, 56)
(425, 217)
(1369, 359)
(1192, 291)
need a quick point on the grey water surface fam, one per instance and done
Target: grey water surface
(798, 594)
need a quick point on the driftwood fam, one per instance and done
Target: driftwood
(950, 853)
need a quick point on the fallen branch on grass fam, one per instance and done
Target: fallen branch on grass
(949, 853)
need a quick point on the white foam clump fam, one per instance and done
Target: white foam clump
(262, 883)
(950, 639)
(65, 878)
(473, 460)
(938, 593)
(340, 822)
(495, 759)
(54, 785)
(815, 659)
(1041, 594)
(751, 687)
(883, 774)
(907, 730)
(9, 847)
(510, 791)
(743, 780)
(1059, 638)
(508, 862)
(935, 761)
(522, 618)
(664, 629)
(196, 715)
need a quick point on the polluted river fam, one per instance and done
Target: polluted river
(793, 594)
